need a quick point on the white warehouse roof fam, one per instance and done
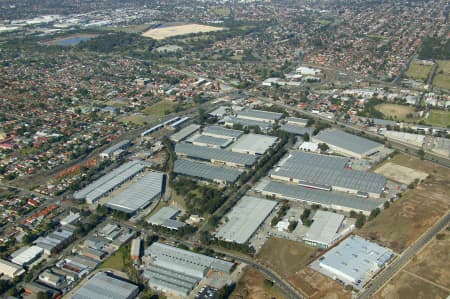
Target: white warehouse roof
(324, 229)
(10, 269)
(253, 144)
(26, 256)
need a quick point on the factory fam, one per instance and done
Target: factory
(245, 218)
(104, 285)
(177, 270)
(209, 141)
(220, 132)
(207, 172)
(353, 262)
(55, 241)
(348, 144)
(135, 250)
(116, 150)
(184, 133)
(139, 194)
(327, 173)
(10, 270)
(259, 115)
(253, 144)
(324, 231)
(107, 183)
(247, 123)
(25, 256)
(167, 217)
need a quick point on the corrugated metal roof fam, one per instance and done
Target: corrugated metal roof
(209, 141)
(103, 286)
(256, 143)
(223, 132)
(248, 123)
(347, 141)
(260, 114)
(206, 171)
(184, 133)
(324, 228)
(297, 130)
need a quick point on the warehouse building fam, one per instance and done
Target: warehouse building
(215, 156)
(259, 115)
(139, 194)
(135, 250)
(253, 144)
(10, 270)
(55, 241)
(303, 122)
(327, 173)
(331, 200)
(220, 132)
(107, 183)
(323, 232)
(348, 144)
(208, 141)
(206, 171)
(247, 123)
(25, 256)
(245, 218)
(177, 270)
(104, 285)
(353, 262)
(296, 130)
(184, 133)
(112, 151)
(166, 217)
(71, 218)
(51, 279)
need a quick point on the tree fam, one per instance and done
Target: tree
(386, 205)
(421, 154)
(360, 221)
(306, 137)
(323, 147)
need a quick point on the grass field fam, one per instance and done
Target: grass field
(417, 210)
(286, 257)
(120, 260)
(135, 119)
(427, 275)
(439, 118)
(252, 286)
(159, 109)
(129, 29)
(418, 71)
(170, 31)
(397, 112)
(442, 77)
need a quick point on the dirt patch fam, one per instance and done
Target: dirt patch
(314, 285)
(401, 174)
(397, 112)
(165, 32)
(253, 285)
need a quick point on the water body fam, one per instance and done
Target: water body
(71, 41)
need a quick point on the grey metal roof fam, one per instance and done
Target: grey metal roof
(297, 130)
(245, 218)
(184, 133)
(164, 278)
(206, 171)
(297, 120)
(162, 215)
(324, 228)
(256, 143)
(115, 147)
(204, 140)
(347, 141)
(332, 199)
(260, 114)
(222, 132)
(248, 123)
(139, 194)
(103, 286)
(327, 170)
(109, 181)
(210, 154)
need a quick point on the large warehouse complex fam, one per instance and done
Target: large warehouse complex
(327, 173)
(245, 218)
(253, 144)
(139, 194)
(354, 261)
(348, 144)
(178, 271)
(104, 285)
(220, 132)
(107, 183)
(206, 171)
(259, 115)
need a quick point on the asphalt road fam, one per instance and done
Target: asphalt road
(404, 258)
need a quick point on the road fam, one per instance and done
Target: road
(404, 258)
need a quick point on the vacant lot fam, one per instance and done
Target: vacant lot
(134, 118)
(165, 32)
(397, 112)
(286, 257)
(401, 174)
(160, 109)
(120, 260)
(418, 71)
(439, 118)
(416, 211)
(253, 286)
(314, 285)
(442, 77)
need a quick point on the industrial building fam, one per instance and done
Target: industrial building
(354, 261)
(327, 173)
(209, 141)
(177, 270)
(112, 151)
(135, 250)
(71, 218)
(296, 129)
(55, 241)
(245, 218)
(303, 122)
(215, 156)
(10, 270)
(206, 171)
(348, 144)
(259, 115)
(166, 217)
(323, 232)
(184, 133)
(220, 132)
(246, 123)
(253, 144)
(139, 194)
(25, 256)
(51, 279)
(104, 285)
(331, 200)
(107, 183)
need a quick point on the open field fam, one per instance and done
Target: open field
(442, 77)
(130, 29)
(165, 32)
(439, 118)
(397, 112)
(417, 210)
(252, 286)
(400, 173)
(418, 71)
(314, 285)
(286, 257)
(118, 260)
(159, 109)
(134, 118)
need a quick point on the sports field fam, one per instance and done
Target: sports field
(418, 71)
(439, 118)
(397, 112)
(442, 77)
(165, 32)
